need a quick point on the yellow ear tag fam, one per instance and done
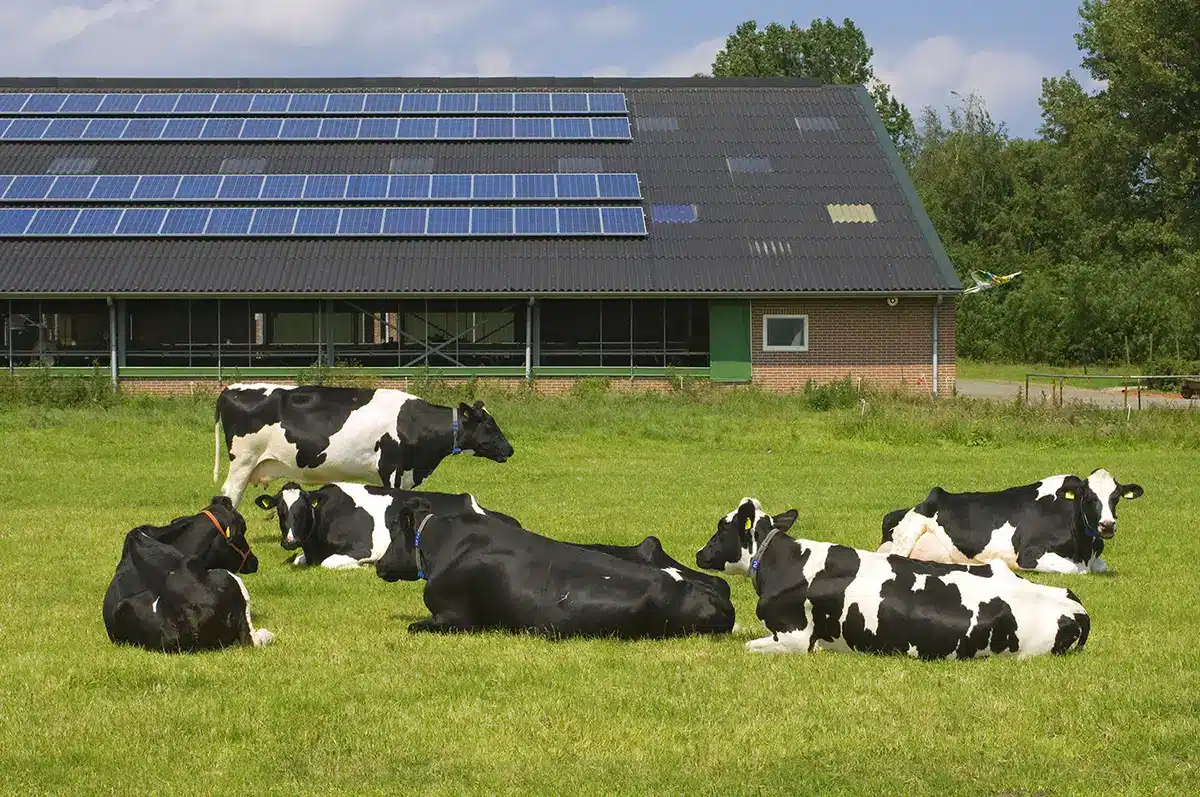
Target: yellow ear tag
(1128, 495)
(1068, 494)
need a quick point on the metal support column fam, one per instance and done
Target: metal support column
(935, 346)
(112, 343)
(327, 332)
(529, 340)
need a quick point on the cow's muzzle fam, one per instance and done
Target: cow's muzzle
(290, 541)
(1107, 530)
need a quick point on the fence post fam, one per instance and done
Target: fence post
(1139, 395)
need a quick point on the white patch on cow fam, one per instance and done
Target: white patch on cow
(908, 532)
(1097, 565)
(299, 559)
(606, 578)
(340, 561)
(1000, 546)
(1049, 486)
(154, 606)
(407, 480)
(787, 642)
(742, 566)
(290, 497)
(261, 634)
(1104, 485)
(475, 507)
(885, 547)
(1053, 563)
(265, 386)
(919, 582)
(376, 506)
(672, 572)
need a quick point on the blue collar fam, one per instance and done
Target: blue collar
(454, 449)
(417, 548)
(1088, 531)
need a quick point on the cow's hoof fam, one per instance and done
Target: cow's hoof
(262, 637)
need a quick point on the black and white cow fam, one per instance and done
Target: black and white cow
(650, 551)
(1057, 525)
(821, 596)
(486, 574)
(319, 435)
(344, 526)
(176, 589)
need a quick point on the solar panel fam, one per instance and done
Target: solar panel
(29, 186)
(73, 187)
(492, 186)
(451, 186)
(199, 186)
(611, 127)
(321, 103)
(673, 214)
(495, 127)
(25, 129)
(114, 186)
(241, 186)
(455, 127)
(183, 129)
(326, 186)
(577, 186)
(154, 186)
(367, 186)
(409, 186)
(66, 128)
(535, 128)
(322, 221)
(262, 128)
(141, 129)
(619, 186)
(283, 186)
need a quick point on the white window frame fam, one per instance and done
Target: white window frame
(766, 321)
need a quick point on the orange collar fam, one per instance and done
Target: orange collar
(213, 518)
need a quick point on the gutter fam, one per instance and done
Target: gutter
(935, 345)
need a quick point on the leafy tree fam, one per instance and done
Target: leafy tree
(835, 54)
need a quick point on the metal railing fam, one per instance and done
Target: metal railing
(1056, 396)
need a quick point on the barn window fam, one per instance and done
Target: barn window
(623, 333)
(785, 333)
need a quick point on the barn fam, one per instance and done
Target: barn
(195, 231)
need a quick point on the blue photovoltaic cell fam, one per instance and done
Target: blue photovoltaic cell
(575, 221)
(325, 186)
(262, 128)
(72, 187)
(222, 128)
(452, 127)
(29, 186)
(533, 128)
(457, 103)
(494, 102)
(185, 221)
(417, 128)
(451, 186)
(44, 103)
(535, 221)
(420, 103)
(155, 186)
(119, 103)
(273, 221)
(606, 103)
(199, 186)
(345, 103)
(195, 103)
(5, 182)
(157, 103)
(270, 103)
(384, 103)
(382, 129)
(144, 128)
(11, 103)
(283, 186)
(449, 221)
(572, 102)
(611, 127)
(531, 103)
(498, 127)
(367, 186)
(233, 103)
(27, 128)
(568, 127)
(241, 186)
(317, 221)
(66, 128)
(82, 103)
(623, 221)
(534, 186)
(491, 221)
(229, 221)
(361, 221)
(339, 128)
(492, 186)
(307, 103)
(142, 221)
(619, 186)
(53, 221)
(105, 129)
(577, 186)
(673, 214)
(183, 129)
(15, 221)
(409, 186)
(97, 221)
(114, 186)
(301, 128)
(405, 221)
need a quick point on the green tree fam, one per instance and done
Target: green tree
(835, 54)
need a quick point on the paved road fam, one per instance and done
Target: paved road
(1040, 391)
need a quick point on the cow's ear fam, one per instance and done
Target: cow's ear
(265, 501)
(784, 520)
(479, 405)
(464, 409)
(223, 500)
(1131, 491)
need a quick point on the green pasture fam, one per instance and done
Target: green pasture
(347, 702)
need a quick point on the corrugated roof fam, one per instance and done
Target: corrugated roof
(758, 232)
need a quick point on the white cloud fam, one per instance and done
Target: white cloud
(494, 63)
(1009, 81)
(606, 22)
(610, 70)
(685, 63)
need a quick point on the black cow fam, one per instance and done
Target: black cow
(319, 435)
(1057, 525)
(344, 526)
(821, 596)
(651, 552)
(175, 588)
(486, 574)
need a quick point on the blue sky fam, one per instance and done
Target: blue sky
(923, 48)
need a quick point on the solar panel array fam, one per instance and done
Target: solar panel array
(316, 187)
(341, 128)
(310, 104)
(322, 221)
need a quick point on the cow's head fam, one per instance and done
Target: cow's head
(738, 537)
(228, 549)
(1098, 499)
(297, 513)
(480, 434)
(399, 561)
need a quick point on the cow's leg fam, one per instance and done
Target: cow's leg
(339, 561)
(262, 637)
(435, 626)
(783, 642)
(1046, 562)
(1097, 565)
(240, 470)
(299, 559)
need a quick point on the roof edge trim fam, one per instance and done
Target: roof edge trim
(328, 83)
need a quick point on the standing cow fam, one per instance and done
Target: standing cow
(821, 596)
(328, 434)
(1057, 525)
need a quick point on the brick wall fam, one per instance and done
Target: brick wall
(889, 348)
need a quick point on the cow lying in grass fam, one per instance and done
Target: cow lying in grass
(175, 588)
(344, 526)
(1057, 525)
(820, 596)
(483, 573)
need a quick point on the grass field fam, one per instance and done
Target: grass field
(347, 702)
